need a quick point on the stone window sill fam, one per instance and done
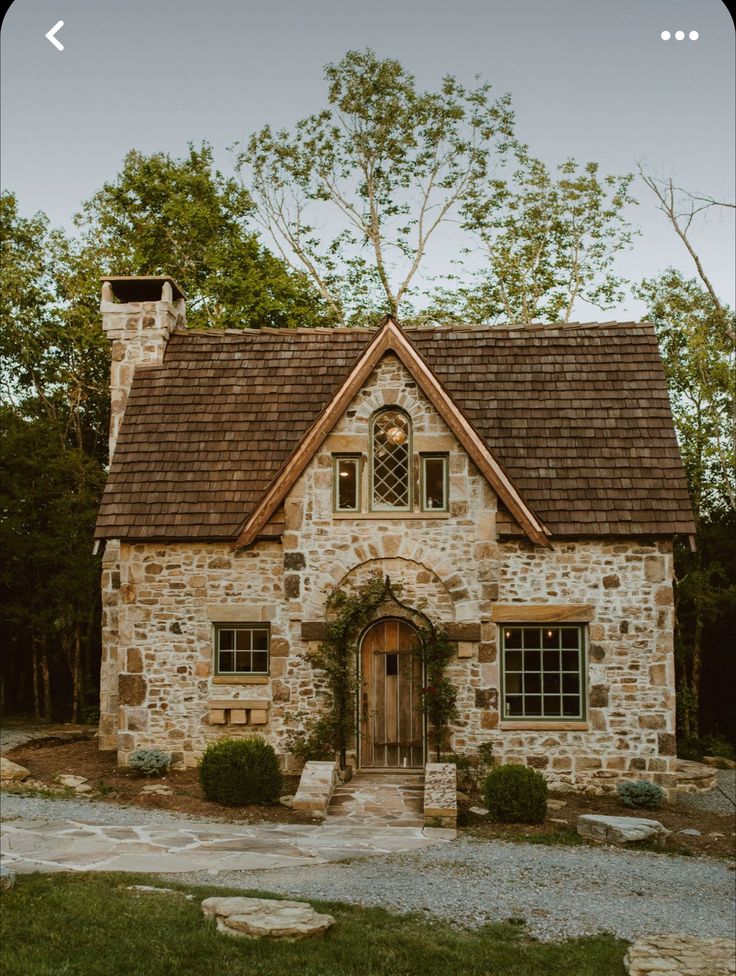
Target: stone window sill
(378, 516)
(240, 679)
(551, 726)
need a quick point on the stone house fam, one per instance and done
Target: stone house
(523, 485)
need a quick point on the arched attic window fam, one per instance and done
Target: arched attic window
(390, 460)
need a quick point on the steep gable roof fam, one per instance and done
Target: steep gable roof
(390, 338)
(576, 417)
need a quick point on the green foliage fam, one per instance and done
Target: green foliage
(182, 217)
(49, 577)
(695, 747)
(386, 164)
(698, 348)
(548, 241)
(238, 772)
(150, 762)
(697, 338)
(314, 741)
(472, 769)
(349, 612)
(439, 695)
(91, 924)
(159, 215)
(516, 794)
(640, 793)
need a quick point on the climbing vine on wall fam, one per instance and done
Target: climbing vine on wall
(348, 614)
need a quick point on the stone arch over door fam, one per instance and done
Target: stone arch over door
(442, 595)
(391, 720)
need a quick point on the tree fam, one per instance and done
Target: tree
(386, 165)
(49, 577)
(183, 218)
(547, 242)
(681, 208)
(697, 335)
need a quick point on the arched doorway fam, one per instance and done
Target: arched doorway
(391, 720)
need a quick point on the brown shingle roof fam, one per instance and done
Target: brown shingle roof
(577, 415)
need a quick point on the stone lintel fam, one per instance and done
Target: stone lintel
(316, 630)
(543, 612)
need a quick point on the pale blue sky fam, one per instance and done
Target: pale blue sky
(588, 78)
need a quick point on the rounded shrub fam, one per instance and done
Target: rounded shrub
(640, 793)
(516, 794)
(237, 772)
(150, 762)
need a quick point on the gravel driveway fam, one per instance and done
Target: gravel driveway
(559, 892)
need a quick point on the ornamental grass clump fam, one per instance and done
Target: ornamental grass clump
(238, 772)
(150, 762)
(641, 793)
(516, 794)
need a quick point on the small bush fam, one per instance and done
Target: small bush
(640, 793)
(315, 741)
(150, 762)
(516, 794)
(238, 772)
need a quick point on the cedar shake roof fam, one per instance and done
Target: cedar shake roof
(577, 415)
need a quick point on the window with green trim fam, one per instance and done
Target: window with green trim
(543, 671)
(242, 648)
(434, 482)
(346, 483)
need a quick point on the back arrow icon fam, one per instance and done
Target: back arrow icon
(50, 36)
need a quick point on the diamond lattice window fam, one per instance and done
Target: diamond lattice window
(390, 454)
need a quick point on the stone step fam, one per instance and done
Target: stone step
(694, 777)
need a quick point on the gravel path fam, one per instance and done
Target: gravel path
(720, 800)
(43, 808)
(559, 892)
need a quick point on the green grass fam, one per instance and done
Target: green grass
(89, 925)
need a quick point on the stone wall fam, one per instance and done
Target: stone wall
(160, 603)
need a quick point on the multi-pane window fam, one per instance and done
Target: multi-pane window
(543, 672)
(346, 483)
(390, 461)
(434, 482)
(241, 649)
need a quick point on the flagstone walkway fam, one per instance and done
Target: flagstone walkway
(380, 800)
(29, 845)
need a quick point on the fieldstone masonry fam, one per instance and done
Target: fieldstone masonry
(160, 604)
(440, 794)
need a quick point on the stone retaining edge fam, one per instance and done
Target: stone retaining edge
(317, 782)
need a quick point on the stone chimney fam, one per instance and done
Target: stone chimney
(138, 316)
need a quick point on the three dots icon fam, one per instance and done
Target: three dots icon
(679, 35)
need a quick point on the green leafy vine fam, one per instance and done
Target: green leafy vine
(348, 614)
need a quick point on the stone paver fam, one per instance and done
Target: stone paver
(266, 918)
(68, 845)
(620, 830)
(681, 955)
(379, 800)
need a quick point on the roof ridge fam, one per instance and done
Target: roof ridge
(426, 330)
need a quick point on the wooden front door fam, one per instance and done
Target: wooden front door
(391, 727)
